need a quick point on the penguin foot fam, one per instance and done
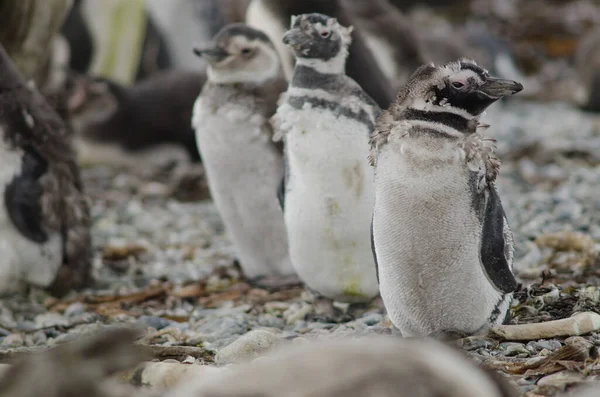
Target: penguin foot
(275, 283)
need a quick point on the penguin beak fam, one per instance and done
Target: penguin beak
(213, 55)
(293, 37)
(498, 88)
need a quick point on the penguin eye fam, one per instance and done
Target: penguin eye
(325, 34)
(457, 84)
(246, 51)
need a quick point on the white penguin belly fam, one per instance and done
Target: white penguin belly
(328, 206)
(427, 241)
(243, 170)
(23, 260)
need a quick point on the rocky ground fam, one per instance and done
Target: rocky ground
(165, 264)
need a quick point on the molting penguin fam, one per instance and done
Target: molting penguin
(441, 241)
(273, 16)
(243, 165)
(325, 119)
(44, 214)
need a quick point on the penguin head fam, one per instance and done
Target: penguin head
(317, 36)
(93, 100)
(462, 85)
(240, 54)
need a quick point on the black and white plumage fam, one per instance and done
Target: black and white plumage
(243, 165)
(44, 216)
(442, 243)
(273, 16)
(325, 119)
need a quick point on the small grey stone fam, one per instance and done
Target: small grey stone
(75, 309)
(271, 321)
(301, 325)
(378, 329)
(14, 340)
(297, 312)
(371, 319)
(50, 319)
(476, 342)
(39, 338)
(155, 322)
(514, 349)
(551, 345)
(236, 324)
(318, 325)
(247, 346)
(26, 325)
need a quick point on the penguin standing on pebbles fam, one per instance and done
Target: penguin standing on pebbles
(325, 119)
(44, 214)
(441, 241)
(234, 137)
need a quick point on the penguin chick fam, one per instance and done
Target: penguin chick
(273, 17)
(44, 216)
(243, 165)
(325, 119)
(119, 124)
(371, 366)
(441, 240)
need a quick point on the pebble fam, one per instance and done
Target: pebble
(371, 319)
(39, 338)
(537, 346)
(75, 309)
(270, 321)
(297, 312)
(155, 322)
(14, 340)
(476, 342)
(222, 327)
(249, 345)
(515, 349)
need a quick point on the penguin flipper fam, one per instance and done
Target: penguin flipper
(282, 183)
(22, 197)
(496, 249)
(281, 193)
(374, 252)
